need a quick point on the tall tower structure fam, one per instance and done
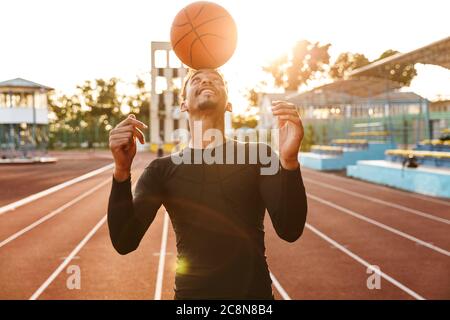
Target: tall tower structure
(167, 74)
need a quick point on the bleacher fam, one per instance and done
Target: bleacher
(434, 145)
(373, 141)
(425, 169)
(325, 149)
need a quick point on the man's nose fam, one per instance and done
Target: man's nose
(206, 80)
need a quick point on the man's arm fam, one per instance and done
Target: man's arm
(284, 197)
(284, 193)
(128, 217)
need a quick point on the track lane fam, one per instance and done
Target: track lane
(419, 268)
(424, 229)
(105, 274)
(436, 206)
(311, 268)
(40, 250)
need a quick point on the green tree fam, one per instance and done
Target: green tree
(305, 61)
(240, 121)
(66, 121)
(86, 116)
(399, 72)
(347, 62)
(252, 97)
(139, 102)
(102, 101)
(309, 138)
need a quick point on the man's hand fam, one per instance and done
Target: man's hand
(122, 142)
(291, 133)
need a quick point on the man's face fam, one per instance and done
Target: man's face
(205, 91)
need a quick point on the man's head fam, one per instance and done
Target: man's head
(203, 91)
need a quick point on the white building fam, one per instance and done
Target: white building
(23, 117)
(266, 119)
(167, 75)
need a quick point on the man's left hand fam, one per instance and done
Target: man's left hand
(291, 133)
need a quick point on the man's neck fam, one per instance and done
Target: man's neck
(206, 132)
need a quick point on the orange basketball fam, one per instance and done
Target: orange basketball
(203, 35)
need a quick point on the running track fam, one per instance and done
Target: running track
(351, 224)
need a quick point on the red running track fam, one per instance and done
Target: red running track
(351, 225)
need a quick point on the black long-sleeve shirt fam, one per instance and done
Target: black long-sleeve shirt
(217, 212)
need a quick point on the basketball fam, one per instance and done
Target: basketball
(203, 35)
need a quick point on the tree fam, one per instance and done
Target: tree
(277, 69)
(103, 102)
(309, 139)
(96, 108)
(244, 121)
(253, 97)
(303, 63)
(347, 62)
(66, 121)
(139, 102)
(399, 72)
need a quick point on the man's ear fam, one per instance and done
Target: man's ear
(184, 106)
(229, 107)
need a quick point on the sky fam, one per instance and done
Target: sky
(62, 43)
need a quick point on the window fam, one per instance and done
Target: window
(29, 100)
(3, 100)
(160, 58)
(160, 85)
(15, 98)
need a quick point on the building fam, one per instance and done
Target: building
(266, 119)
(23, 117)
(394, 116)
(167, 75)
(366, 104)
(440, 117)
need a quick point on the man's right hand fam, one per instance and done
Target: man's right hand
(122, 142)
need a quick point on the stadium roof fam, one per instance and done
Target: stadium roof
(346, 91)
(362, 84)
(324, 98)
(22, 83)
(436, 53)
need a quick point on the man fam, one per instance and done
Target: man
(217, 210)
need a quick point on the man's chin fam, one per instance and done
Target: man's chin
(207, 105)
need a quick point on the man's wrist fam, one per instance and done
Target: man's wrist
(289, 164)
(121, 174)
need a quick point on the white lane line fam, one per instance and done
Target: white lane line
(280, 289)
(365, 263)
(386, 203)
(67, 260)
(162, 258)
(53, 189)
(53, 213)
(381, 225)
(376, 186)
(70, 257)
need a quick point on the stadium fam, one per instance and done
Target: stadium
(374, 152)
